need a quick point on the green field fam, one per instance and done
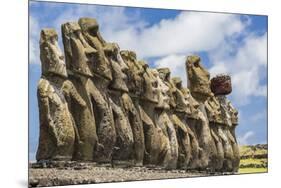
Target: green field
(253, 159)
(252, 170)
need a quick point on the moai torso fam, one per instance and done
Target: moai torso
(130, 99)
(199, 83)
(164, 118)
(78, 53)
(188, 144)
(95, 87)
(123, 150)
(231, 150)
(148, 102)
(57, 128)
(221, 86)
(215, 121)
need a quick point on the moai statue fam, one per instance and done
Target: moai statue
(221, 86)
(135, 74)
(192, 121)
(165, 75)
(199, 84)
(131, 108)
(123, 150)
(165, 116)
(215, 121)
(146, 134)
(58, 130)
(100, 64)
(235, 146)
(165, 159)
(91, 122)
(148, 102)
(102, 77)
(188, 144)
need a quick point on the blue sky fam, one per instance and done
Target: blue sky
(227, 43)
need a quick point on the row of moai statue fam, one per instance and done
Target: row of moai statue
(100, 104)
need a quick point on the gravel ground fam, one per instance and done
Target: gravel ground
(83, 173)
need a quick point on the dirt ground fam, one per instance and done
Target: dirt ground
(84, 173)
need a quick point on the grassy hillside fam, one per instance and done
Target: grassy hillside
(253, 159)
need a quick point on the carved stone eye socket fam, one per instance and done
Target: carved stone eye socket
(196, 63)
(154, 84)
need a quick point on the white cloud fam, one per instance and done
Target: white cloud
(176, 64)
(245, 139)
(260, 116)
(171, 40)
(34, 33)
(247, 67)
(188, 32)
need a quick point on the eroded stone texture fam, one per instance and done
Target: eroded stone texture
(79, 72)
(131, 101)
(188, 144)
(135, 73)
(107, 106)
(167, 157)
(231, 147)
(199, 78)
(57, 128)
(123, 150)
(223, 118)
(79, 55)
(152, 132)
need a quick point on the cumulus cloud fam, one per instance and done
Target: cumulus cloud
(247, 68)
(33, 40)
(225, 39)
(187, 32)
(245, 138)
(176, 65)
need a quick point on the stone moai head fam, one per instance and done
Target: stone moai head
(119, 68)
(182, 101)
(77, 58)
(150, 91)
(163, 89)
(177, 82)
(99, 63)
(89, 25)
(165, 75)
(233, 113)
(51, 56)
(199, 78)
(135, 71)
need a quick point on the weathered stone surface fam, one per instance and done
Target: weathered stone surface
(199, 78)
(99, 64)
(221, 85)
(104, 105)
(123, 150)
(57, 128)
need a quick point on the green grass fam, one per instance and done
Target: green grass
(252, 161)
(251, 170)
